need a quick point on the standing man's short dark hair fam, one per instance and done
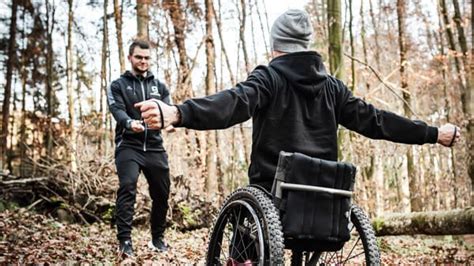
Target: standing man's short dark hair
(138, 148)
(138, 43)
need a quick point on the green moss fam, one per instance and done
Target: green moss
(378, 224)
(108, 214)
(188, 216)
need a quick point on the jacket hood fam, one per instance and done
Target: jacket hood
(305, 71)
(130, 75)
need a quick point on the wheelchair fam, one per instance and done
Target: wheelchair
(254, 226)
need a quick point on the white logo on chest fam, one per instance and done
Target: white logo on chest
(154, 91)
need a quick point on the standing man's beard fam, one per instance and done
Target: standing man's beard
(139, 71)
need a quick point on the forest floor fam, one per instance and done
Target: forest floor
(28, 237)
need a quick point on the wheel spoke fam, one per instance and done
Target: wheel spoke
(333, 254)
(356, 255)
(353, 247)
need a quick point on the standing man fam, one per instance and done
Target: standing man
(296, 106)
(139, 148)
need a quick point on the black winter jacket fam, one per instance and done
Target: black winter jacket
(122, 94)
(297, 107)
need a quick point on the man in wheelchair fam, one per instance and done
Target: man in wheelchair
(296, 107)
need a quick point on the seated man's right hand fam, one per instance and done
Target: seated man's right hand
(152, 116)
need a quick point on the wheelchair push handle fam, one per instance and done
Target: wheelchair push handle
(282, 185)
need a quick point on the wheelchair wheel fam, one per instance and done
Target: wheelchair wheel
(247, 231)
(361, 249)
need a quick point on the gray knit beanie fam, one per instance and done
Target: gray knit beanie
(291, 32)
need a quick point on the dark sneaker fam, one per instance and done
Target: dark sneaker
(158, 245)
(126, 249)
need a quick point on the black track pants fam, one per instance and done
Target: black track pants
(129, 163)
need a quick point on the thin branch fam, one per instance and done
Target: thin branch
(23, 181)
(377, 74)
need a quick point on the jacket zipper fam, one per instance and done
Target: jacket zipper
(146, 130)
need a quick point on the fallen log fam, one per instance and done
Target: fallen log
(452, 222)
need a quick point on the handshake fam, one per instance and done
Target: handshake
(159, 115)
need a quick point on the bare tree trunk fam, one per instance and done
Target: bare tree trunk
(470, 111)
(372, 192)
(183, 90)
(463, 87)
(8, 86)
(413, 193)
(211, 177)
(24, 77)
(264, 33)
(461, 36)
(118, 27)
(466, 96)
(336, 64)
(252, 28)
(447, 108)
(452, 47)
(142, 19)
(376, 35)
(351, 36)
(184, 86)
(10, 152)
(217, 18)
(243, 18)
(103, 80)
(50, 22)
(70, 90)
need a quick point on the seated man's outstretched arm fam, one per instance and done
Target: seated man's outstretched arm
(362, 117)
(217, 111)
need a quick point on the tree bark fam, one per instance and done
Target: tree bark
(336, 64)
(8, 86)
(184, 85)
(70, 90)
(470, 112)
(217, 18)
(452, 47)
(452, 222)
(376, 35)
(118, 28)
(183, 90)
(103, 79)
(415, 198)
(243, 18)
(461, 36)
(351, 37)
(466, 96)
(447, 108)
(264, 33)
(211, 177)
(142, 19)
(24, 80)
(50, 22)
